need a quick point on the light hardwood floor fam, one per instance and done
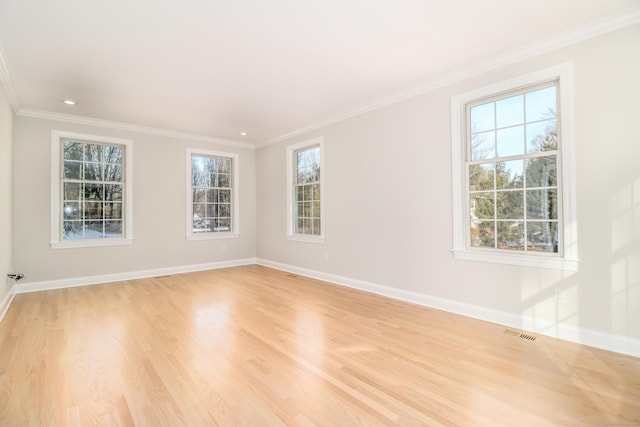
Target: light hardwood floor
(259, 347)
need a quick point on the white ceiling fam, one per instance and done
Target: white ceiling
(270, 68)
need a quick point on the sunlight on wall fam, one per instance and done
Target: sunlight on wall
(625, 268)
(550, 298)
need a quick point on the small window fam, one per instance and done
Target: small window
(91, 191)
(514, 172)
(305, 191)
(212, 195)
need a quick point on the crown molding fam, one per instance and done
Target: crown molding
(7, 82)
(549, 44)
(81, 120)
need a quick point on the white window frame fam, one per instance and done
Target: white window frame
(567, 258)
(234, 233)
(291, 173)
(57, 241)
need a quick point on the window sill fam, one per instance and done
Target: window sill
(90, 243)
(212, 236)
(305, 239)
(567, 264)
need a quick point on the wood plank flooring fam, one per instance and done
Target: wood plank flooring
(252, 346)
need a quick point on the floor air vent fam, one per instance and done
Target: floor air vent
(527, 337)
(518, 334)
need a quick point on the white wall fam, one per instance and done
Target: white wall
(6, 191)
(401, 153)
(159, 174)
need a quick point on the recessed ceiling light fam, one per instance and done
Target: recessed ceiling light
(243, 134)
(70, 102)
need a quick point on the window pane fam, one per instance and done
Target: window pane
(72, 170)
(72, 151)
(481, 176)
(94, 229)
(482, 205)
(482, 234)
(93, 172)
(316, 192)
(510, 174)
(200, 176)
(72, 210)
(542, 172)
(113, 192)
(93, 210)
(199, 210)
(223, 224)
(511, 235)
(225, 210)
(316, 210)
(199, 195)
(511, 141)
(113, 173)
(224, 196)
(542, 136)
(316, 227)
(71, 191)
(93, 192)
(510, 205)
(72, 230)
(543, 236)
(224, 180)
(113, 154)
(541, 104)
(542, 204)
(212, 210)
(113, 210)
(93, 153)
(483, 145)
(510, 111)
(113, 229)
(482, 117)
(224, 166)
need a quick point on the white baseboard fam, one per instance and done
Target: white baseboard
(117, 277)
(611, 342)
(6, 302)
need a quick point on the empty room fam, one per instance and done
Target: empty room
(337, 213)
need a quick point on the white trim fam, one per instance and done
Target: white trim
(68, 118)
(549, 44)
(569, 259)
(6, 302)
(291, 150)
(610, 342)
(56, 239)
(47, 285)
(235, 197)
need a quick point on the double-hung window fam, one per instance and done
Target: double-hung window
(305, 191)
(513, 172)
(212, 194)
(90, 190)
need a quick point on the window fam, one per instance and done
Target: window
(513, 172)
(212, 195)
(90, 190)
(305, 191)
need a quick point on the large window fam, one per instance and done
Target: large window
(515, 165)
(305, 191)
(212, 194)
(91, 192)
